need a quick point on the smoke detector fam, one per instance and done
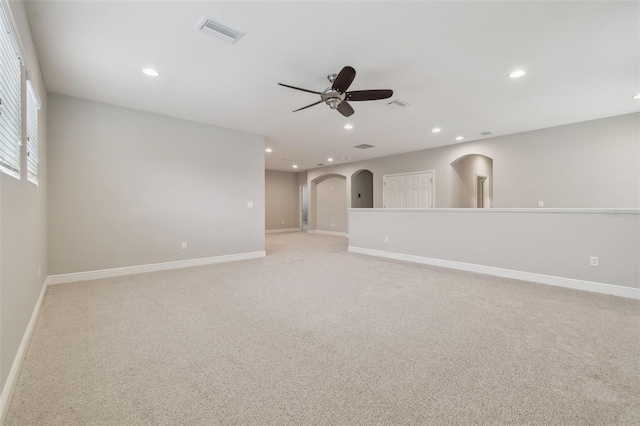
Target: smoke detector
(216, 29)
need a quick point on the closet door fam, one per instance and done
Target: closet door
(408, 190)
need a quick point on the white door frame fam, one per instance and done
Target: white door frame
(485, 191)
(300, 206)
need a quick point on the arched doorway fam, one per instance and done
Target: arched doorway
(328, 205)
(472, 184)
(362, 190)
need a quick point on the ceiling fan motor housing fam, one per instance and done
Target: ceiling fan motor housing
(332, 97)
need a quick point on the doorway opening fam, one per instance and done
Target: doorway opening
(481, 191)
(362, 190)
(472, 182)
(304, 208)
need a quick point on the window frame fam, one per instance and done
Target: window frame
(10, 42)
(33, 106)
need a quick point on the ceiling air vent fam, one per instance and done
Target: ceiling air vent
(320, 164)
(364, 146)
(398, 103)
(213, 28)
(486, 133)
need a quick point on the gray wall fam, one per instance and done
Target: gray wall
(540, 241)
(23, 224)
(281, 200)
(362, 190)
(590, 164)
(331, 213)
(127, 187)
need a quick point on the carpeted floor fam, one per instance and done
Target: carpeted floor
(314, 335)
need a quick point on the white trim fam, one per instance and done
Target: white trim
(408, 173)
(10, 384)
(140, 269)
(276, 231)
(334, 233)
(633, 211)
(485, 191)
(301, 207)
(33, 89)
(615, 290)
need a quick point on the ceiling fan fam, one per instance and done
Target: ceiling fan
(337, 96)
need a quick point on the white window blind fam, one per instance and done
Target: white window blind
(10, 111)
(33, 106)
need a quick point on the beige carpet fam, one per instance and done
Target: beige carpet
(315, 335)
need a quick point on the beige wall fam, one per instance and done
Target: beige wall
(540, 241)
(23, 223)
(128, 187)
(281, 200)
(590, 164)
(302, 178)
(331, 199)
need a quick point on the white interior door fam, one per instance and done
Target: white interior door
(395, 191)
(408, 190)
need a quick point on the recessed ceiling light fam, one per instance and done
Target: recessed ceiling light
(151, 72)
(268, 150)
(329, 159)
(295, 166)
(517, 74)
(348, 126)
(637, 96)
(459, 138)
(436, 130)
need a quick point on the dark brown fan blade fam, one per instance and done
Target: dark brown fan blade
(344, 79)
(345, 109)
(315, 103)
(298, 88)
(368, 95)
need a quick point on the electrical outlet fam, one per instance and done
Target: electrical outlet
(184, 246)
(540, 203)
(386, 239)
(283, 222)
(593, 261)
(250, 204)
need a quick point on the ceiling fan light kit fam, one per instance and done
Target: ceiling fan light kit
(337, 97)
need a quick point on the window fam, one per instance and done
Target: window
(10, 106)
(33, 106)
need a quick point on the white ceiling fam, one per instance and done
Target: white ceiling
(448, 60)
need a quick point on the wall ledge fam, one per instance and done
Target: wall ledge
(276, 231)
(140, 269)
(334, 233)
(594, 287)
(607, 212)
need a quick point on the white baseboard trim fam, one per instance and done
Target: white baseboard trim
(276, 231)
(615, 290)
(9, 385)
(140, 269)
(335, 234)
